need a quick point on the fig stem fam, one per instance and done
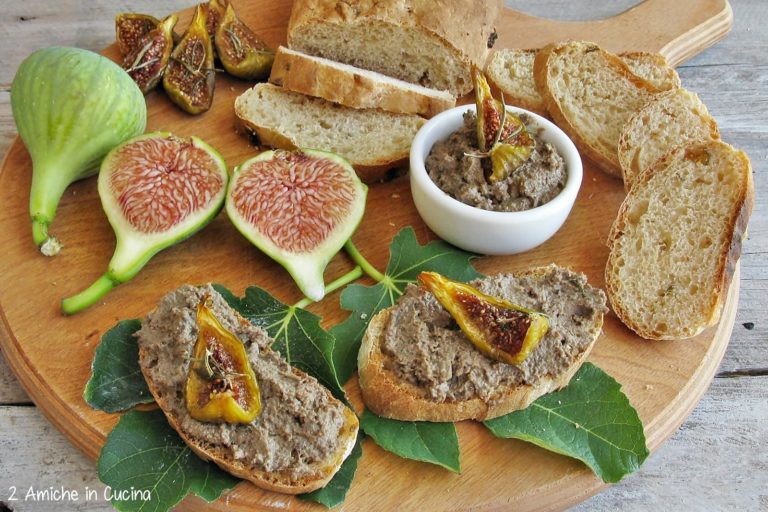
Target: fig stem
(352, 275)
(89, 296)
(360, 260)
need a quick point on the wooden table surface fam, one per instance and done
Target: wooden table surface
(717, 460)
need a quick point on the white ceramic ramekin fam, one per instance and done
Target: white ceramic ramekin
(483, 231)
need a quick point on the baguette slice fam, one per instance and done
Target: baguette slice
(354, 87)
(434, 44)
(298, 414)
(511, 71)
(671, 119)
(653, 67)
(445, 378)
(677, 238)
(373, 141)
(590, 94)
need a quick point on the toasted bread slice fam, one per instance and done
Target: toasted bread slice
(300, 438)
(511, 71)
(677, 238)
(373, 141)
(355, 87)
(590, 93)
(415, 364)
(671, 119)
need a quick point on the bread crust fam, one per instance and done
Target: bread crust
(358, 89)
(727, 260)
(461, 26)
(607, 163)
(269, 480)
(386, 395)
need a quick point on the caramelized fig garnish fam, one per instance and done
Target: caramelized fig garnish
(501, 135)
(498, 328)
(190, 78)
(216, 11)
(148, 59)
(242, 53)
(221, 386)
(130, 28)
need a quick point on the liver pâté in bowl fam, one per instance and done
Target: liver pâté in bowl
(481, 230)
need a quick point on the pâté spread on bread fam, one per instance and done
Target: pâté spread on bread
(417, 364)
(301, 434)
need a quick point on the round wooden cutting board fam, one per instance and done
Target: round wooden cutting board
(51, 354)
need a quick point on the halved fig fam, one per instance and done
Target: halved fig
(498, 328)
(216, 11)
(190, 78)
(130, 28)
(242, 53)
(156, 189)
(299, 207)
(147, 61)
(221, 386)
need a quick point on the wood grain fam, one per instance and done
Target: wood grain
(190, 241)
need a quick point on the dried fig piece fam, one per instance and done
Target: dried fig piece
(498, 328)
(130, 28)
(189, 79)
(242, 53)
(216, 11)
(147, 60)
(221, 386)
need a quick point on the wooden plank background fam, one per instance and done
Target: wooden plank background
(716, 461)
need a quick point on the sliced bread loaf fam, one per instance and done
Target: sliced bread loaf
(415, 364)
(373, 141)
(302, 434)
(590, 93)
(354, 87)
(677, 238)
(419, 41)
(672, 118)
(511, 71)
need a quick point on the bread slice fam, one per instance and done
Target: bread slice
(511, 71)
(671, 119)
(300, 438)
(415, 364)
(373, 141)
(590, 93)
(653, 67)
(419, 41)
(677, 238)
(354, 87)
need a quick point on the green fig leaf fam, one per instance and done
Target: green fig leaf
(149, 468)
(298, 336)
(436, 443)
(116, 382)
(407, 259)
(335, 492)
(590, 420)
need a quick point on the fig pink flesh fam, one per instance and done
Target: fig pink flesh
(294, 200)
(159, 182)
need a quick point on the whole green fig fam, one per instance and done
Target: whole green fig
(71, 107)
